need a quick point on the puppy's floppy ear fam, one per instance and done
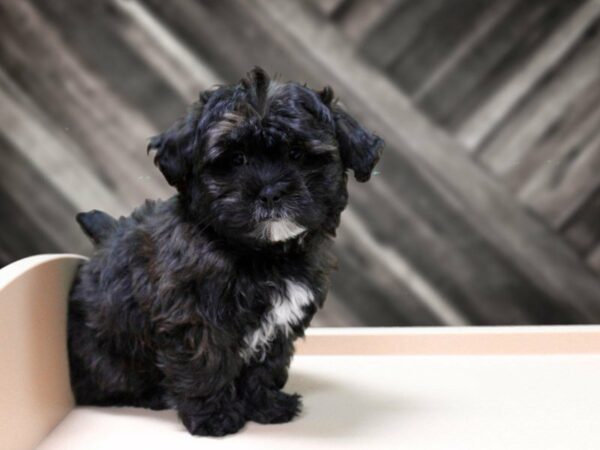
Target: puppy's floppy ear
(360, 149)
(175, 147)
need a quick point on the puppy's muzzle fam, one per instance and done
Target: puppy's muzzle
(272, 195)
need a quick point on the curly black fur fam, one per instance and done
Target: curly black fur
(194, 303)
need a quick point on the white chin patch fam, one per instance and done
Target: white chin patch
(278, 230)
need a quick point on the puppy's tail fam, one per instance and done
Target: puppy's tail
(97, 225)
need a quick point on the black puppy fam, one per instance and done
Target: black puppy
(194, 303)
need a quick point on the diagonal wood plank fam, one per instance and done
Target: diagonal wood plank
(400, 268)
(112, 135)
(336, 313)
(483, 120)
(20, 236)
(51, 152)
(494, 60)
(557, 193)
(594, 259)
(166, 54)
(451, 256)
(90, 34)
(48, 215)
(485, 24)
(436, 38)
(360, 16)
(538, 133)
(582, 230)
(328, 7)
(396, 30)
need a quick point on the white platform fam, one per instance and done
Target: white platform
(421, 388)
(400, 402)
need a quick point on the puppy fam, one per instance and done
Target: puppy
(194, 303)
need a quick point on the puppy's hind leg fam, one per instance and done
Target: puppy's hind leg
(200, 385)
(151, 399)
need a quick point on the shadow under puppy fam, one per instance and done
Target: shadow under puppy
(194, 303)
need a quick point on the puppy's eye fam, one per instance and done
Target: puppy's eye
(238, 159)
(296, 153)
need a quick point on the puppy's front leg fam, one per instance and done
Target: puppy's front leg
(217, 414)
(260, 385)
(199, 380)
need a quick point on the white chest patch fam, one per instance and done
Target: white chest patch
(278, 230)
(286, 312)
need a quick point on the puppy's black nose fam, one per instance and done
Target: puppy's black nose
(271, 194)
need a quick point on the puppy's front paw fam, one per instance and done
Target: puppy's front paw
(218, 423)
(275, 407)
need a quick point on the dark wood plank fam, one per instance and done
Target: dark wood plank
(49, 148)
(364, 281)
(328, 7)
(93, 32)
(484, 25)
(448, 253)
(558, 192)
(549, 58)
(439, 35)
(553, 118)
(594, 259)
(20, 237)
(492, 62)
(396, 31)
(182, 69)
(358, 17)
(582, 230)
(336, 313)
(228, 38)
(39, 219)
(112, 134)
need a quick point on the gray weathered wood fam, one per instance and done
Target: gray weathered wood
(328, 7)
(396, 31)
(594, 259)
(493, 61)
(483, 121)
(124, 72)
(485, 24)
(46, 216)
(558, 193)
(162, 51)
(539, 133)
(112, 135)
(51, 152)
(360, 16)
(437, 37)
(583, 229)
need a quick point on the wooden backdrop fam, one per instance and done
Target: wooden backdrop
(486, 209)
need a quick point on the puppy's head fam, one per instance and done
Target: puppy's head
(264, 160)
